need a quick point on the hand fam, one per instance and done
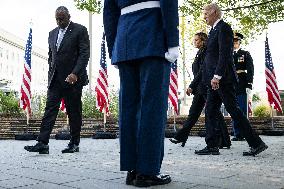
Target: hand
(71, 78)
(172, 54)
(248, 91)
(215, 83)
(189, 91)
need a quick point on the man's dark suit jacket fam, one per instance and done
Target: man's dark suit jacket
(219, 55)
(71, 57)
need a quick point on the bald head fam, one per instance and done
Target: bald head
(62, 17)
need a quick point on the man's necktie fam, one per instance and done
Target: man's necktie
(59, 38)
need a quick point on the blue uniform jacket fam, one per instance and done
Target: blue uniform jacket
(219, 55)
(143, 33)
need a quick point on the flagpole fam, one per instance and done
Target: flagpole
(175, 129)
(91, 46)
(28, 119)
(105, 119)
(272, 121)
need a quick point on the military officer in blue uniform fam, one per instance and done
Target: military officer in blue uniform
(142, 38)
(245, 71)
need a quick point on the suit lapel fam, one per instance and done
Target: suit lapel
(66, 35)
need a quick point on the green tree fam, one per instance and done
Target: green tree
(255, 97)
(250, 17)
(93, 6)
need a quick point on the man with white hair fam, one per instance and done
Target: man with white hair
(220, 77)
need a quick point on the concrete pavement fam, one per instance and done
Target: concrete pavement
(96, 166)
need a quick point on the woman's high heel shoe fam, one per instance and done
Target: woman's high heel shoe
(175, 141)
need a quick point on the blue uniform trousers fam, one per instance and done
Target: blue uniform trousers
(242, 101)
(143, 97)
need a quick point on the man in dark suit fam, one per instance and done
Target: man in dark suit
(245, 71)
(142, 38)
(220, 77)
(69, 51)
(199, 90)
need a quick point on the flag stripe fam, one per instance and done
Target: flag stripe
(173, 88)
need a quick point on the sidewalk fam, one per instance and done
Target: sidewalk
(96, 166)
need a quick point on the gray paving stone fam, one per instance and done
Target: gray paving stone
(45, 185)
(5, 176)
(98, 184)
(16, 182)
(97, 166)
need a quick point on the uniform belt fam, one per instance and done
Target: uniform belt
(140, 6)
(241, 71)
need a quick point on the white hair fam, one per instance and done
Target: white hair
(214, 7)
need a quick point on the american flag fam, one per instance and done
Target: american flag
(173, 89)
(25, 100)
(102, 101)
(271, 84)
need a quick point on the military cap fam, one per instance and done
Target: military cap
(238, 36)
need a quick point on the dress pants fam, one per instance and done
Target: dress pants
(143, 97)
(195, 110)
(226, 94)
(72, 99)
(242, 101)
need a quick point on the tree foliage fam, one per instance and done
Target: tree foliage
(250, 17)
(94, 6)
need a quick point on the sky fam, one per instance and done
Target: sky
(15, 16)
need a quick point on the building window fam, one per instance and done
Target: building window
(7, 54)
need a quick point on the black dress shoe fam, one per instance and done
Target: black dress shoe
(71, 148)
(39, 147)
(175, 141)
(208, 151)
(257, 150)
(151, 180)
(131, 175)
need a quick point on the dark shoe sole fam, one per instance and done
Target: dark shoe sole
(211, 153)
(44, 152)
(70, 152)
(138, 183)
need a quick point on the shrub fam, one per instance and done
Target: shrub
(262, 111)
(9, 104)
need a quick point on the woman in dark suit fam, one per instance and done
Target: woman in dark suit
(199, 90)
